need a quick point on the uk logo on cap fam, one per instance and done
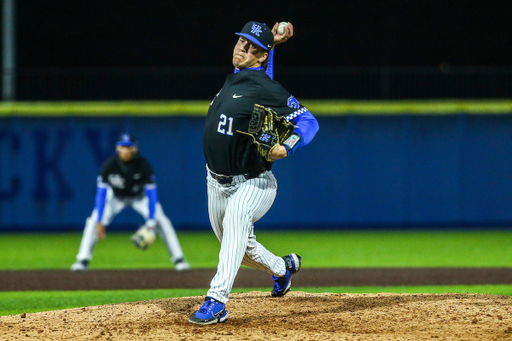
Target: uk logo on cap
(258, 33)
(256, 29)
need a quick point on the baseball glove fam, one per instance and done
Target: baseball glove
(267, 129)
(144, 237)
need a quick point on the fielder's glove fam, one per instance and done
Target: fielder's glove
(268, 129)
(144, 237)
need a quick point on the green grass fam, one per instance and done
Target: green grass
(397, 249)
(319, 249)
(15, 302)
(483, 248)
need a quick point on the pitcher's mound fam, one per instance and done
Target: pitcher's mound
(297, 316)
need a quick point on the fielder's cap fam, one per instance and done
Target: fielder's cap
(127, 140)
(258, 33)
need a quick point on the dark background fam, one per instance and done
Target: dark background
(432, 170)
(328, 33)
(354, 49)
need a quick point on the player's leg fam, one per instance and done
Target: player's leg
(89, 239)
(253, 197)
(90, 236)
(168, 234)
(281, 268)
(217, 201)
(218, 198)
(165, 230)
(256, 255)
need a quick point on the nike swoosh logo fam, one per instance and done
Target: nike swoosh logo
(235, 96)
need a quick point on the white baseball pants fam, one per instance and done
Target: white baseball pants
(233, 209)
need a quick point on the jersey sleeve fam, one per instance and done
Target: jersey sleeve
(270, 65)
(101, 189)
(306, 125)
(149, 180)
(99, 200)
(152, 194)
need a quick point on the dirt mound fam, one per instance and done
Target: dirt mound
(297, 316)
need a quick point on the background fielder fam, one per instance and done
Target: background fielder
(127, 180)
(240, 183)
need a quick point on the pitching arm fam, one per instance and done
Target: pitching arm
(270, 65)
(278, 39)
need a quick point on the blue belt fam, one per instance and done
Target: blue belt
(227, 179)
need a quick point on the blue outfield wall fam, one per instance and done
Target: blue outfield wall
(360, 171)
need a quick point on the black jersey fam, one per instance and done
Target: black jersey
(226, 151)
(127, 179)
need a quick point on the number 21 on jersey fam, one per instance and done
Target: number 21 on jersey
(224, 120)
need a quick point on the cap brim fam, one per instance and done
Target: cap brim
(254, 40)
(125, 144)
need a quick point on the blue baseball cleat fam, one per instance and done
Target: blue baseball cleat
(283, 284)
(211, 312)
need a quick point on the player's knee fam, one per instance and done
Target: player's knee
(250, 253)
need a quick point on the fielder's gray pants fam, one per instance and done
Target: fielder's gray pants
(113, 206)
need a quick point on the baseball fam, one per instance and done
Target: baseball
(281, 27)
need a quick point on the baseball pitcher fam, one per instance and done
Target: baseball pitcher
(252, 122)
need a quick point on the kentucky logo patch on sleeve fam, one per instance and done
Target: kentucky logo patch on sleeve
(292, 141)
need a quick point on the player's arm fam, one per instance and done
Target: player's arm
(149, 180)
(282, 38)
(99, 205)
(306, 127)
(152, 194)
(278, 39)
(270, 65)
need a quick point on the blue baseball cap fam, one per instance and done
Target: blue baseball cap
(258, 33)
(127, 140)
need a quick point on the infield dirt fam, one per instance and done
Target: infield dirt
(258, 316)
(297, 316)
